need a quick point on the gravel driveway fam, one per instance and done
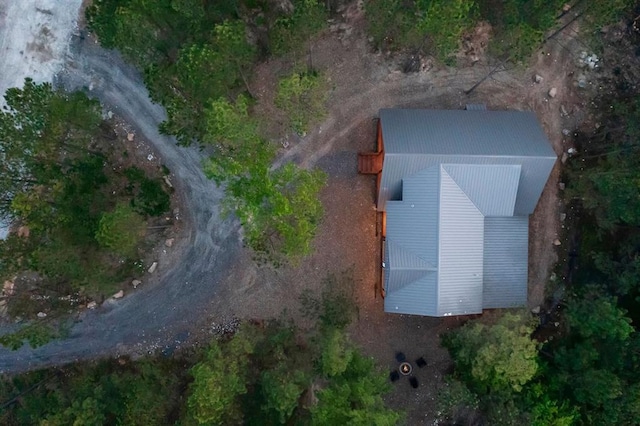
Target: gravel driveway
(161, 314)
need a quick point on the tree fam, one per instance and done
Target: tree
(219, 379)
(497, 358)
(202, 73)
(291, 32)
(121, 230)
(445, 21)
(354, 397)
(279, 210)
(282, 388)
(301, 96)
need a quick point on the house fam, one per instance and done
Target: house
(455, 189)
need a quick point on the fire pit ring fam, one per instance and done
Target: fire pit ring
(405, 368)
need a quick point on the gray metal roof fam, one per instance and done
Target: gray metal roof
(418, 139)
(460, 242)
(457, 188)
(506, 254)
(442, 256)
(460, 132)
(497, 199)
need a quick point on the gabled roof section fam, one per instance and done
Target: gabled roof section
(415, 140)
(458, 132)
(460, 248)
(506, 255)
(492, 188)
(407, 259)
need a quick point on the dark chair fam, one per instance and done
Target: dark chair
(400, 357)
(413, 381)
(394, 376)
(420, 362)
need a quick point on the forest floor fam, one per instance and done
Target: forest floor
(208, 280)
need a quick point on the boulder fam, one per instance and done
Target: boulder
(563, 216)
(91, 305)
(41, 315)
(537, 78)
(553, 92)
(136, 283)
(563, 111)
(7, 288)
(564, 158)
(169, 242)
(536, 310)
(118, 295)
(556, 242)
(130, 136)
(153, 267)
(24, 231)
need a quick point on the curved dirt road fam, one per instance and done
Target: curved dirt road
(157, 316)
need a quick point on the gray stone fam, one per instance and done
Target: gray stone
(563, 111)
(537, 78)
(536, 310)
(136, 283)
(153, 267)
(169, 242)
(118, 295)
(564, 158)
(561, 186)
(553, 92)
(130, 137)
(563, 216)
(7, 288)
(556, 242)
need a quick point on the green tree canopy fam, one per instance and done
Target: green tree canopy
(495, 358)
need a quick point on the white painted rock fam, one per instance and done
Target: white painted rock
(153, 267)
(136, 283)
(118, 295)
(41, 315)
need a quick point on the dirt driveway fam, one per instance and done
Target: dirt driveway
(362, 82)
